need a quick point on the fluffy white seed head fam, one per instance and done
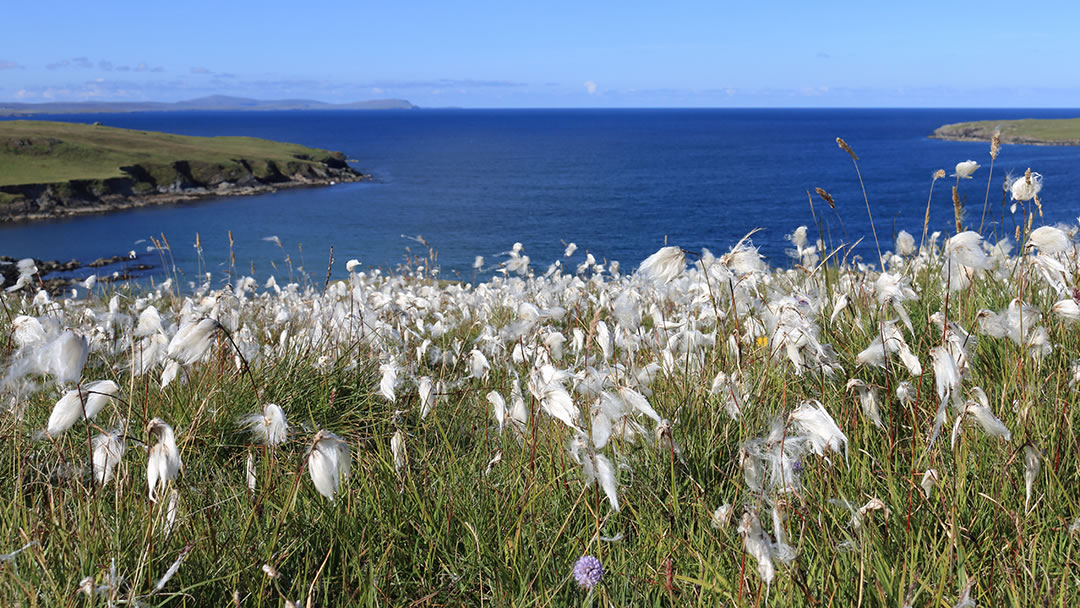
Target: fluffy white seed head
(965, 169)
(328, 462)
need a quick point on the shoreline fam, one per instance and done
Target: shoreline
(120, 202)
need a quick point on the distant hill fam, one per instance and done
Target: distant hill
(1032, 131)
(213, 102)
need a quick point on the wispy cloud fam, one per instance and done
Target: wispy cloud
(200, 70)
(442, 83)
(105, 65)
(8, 65)
(590, 87)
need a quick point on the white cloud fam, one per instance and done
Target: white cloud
(590, 87)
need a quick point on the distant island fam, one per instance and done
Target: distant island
(53, 169)
(1032, 131)
(213, 102)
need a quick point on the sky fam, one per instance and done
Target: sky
(584, 54)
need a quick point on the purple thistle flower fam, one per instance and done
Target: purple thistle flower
(587, 571)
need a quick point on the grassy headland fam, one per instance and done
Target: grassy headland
(1032, 131)
(58, 168)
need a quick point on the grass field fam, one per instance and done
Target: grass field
(39, 152)
(496, 433)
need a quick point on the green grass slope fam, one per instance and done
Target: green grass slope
(39, 152)
(1060, 132)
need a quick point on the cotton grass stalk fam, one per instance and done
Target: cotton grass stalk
(995, 148)
(855, 160)
(940, 173)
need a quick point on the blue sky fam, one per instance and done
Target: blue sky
(549, 54)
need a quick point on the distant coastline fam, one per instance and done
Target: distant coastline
(1028, 131)
(211, 103)
(54, 169)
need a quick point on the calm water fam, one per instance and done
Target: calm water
(619, 183)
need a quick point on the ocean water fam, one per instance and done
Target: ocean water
(619, 183)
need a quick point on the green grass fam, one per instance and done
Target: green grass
(1028, 130)
(39, 152)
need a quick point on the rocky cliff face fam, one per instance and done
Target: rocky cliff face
(146, 185)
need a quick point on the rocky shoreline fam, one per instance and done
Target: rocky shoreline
(33, 202)
(9, 272)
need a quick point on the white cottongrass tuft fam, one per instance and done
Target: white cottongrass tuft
(192, 341)
(328, 462)
(905, 243)
(758, 545)
(1032, 467)
(498, 408)
(270, 427)
(596, 468)
(982, 414)
(868, 398)
(250, 472)
(811, 418)
(71, 409)
(664, 265)
(388, 381)
(1026, 187)
(478, 364)
(1049, 239)
(108, 451)
(172, 368)
(64, 357)
(965, 169)
(351, 265)
(964, 258)
(163, 462)
(397, 449)
(947, 381)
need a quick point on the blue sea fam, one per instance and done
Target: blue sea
(618, 183)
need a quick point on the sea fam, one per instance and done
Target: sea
(454, 184)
